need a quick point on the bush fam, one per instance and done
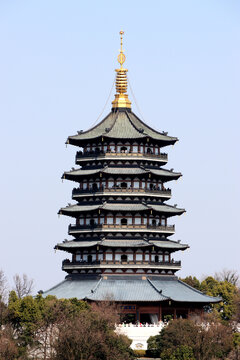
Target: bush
(140, 353)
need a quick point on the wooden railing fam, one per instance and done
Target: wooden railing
(80, 154)
(77, 191)
(73, 227)
(120, 262)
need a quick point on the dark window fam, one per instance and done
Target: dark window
(123, 185)
(123, 149)
(156, 258)
(123, 221)
(92, 222)
(89, 258)
(123, 257)
(94, 186)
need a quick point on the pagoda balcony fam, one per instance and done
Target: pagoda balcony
(119, 155)
(70, 265)
(104, 190)
(75, 229)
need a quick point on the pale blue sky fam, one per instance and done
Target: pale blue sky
(56, 70)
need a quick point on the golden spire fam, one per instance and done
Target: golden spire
(121, 98)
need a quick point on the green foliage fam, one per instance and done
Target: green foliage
(30, 316)
(140, 353)
(223, 289)
(182, 352)
(236, 340)
(154, 345)
(184, 339)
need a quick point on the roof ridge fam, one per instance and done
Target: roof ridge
(95, 126)
(114, 122)
(149, 127)
(155, 288)
(96, 286)
(129, 118)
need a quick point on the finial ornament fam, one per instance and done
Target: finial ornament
(121, 56)
(121, 98)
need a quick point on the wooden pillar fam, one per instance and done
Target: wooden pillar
(174, 313)
(160, 313)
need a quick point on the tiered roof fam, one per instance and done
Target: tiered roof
(122, 124)
(77, 175)
(74, 210)
(126, 243)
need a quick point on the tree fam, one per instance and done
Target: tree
(182, 352)
(8, 348)
(182, 339)
(90, 336)
(192, 281)
(3, 297)
(23, 286)
(53, 314)
(230, 276)
(3, 286)
(226, 291)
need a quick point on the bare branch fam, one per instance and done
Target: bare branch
(3, 286)
(230, 276)
(23, 285)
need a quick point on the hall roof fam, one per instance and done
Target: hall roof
(127, 288)
(73, 210)
(121, 125)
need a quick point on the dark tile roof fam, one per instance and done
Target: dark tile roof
(121, 125)
(164, 244)
(129, 289)
(169, 210)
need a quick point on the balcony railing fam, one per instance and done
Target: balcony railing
(157, 191)
(167, 228)
(120, 262)
(87, 154)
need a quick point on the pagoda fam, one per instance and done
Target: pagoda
(122, 224)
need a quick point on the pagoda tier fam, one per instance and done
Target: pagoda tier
(122, 124)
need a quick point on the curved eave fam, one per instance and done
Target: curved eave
(121, 125)
(75, 210)
(166, 175)
(72, 245)
(129, 289)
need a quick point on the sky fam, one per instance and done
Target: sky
(57, 67)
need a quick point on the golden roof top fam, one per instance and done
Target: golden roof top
(121, 98)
